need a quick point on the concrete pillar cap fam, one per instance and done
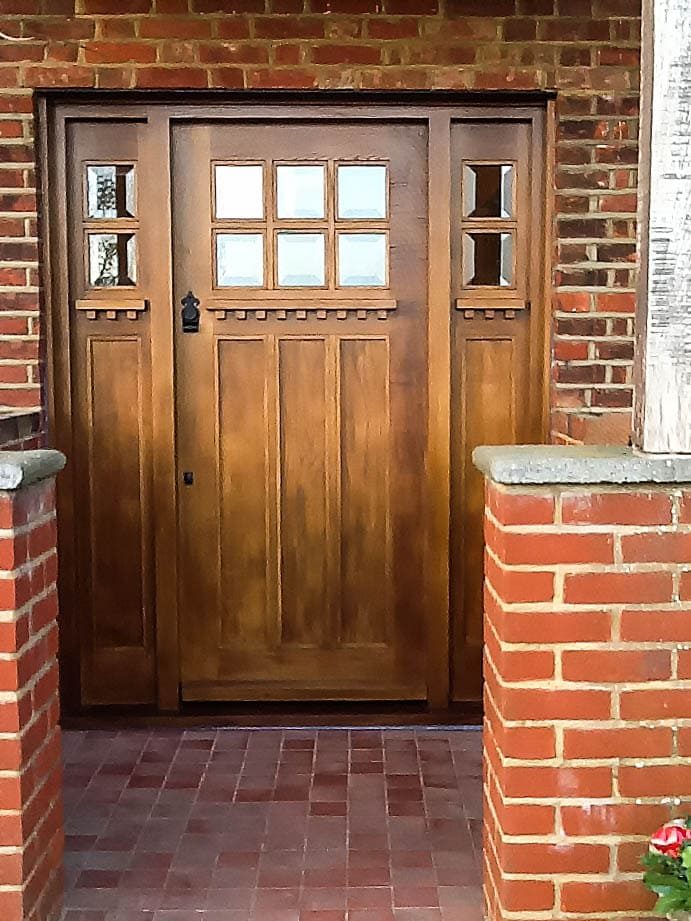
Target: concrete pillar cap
(22, 468)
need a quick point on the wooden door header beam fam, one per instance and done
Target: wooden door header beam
(316, 97)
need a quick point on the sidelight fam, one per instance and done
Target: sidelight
(362, 192)
(112, 260)
(488, 190)
(300, 192)
(110, 191)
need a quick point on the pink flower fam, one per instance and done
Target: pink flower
(670, 839)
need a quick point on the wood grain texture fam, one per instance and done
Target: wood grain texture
(304, 527)
(664, 333)
(242, 459)
(301, 562)
(366, 589)
(330, 540)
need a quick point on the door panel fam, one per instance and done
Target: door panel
(366, 584)
(302, 535)
(243, 446)
(304, 530)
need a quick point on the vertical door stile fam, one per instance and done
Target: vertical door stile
(273, 492)
(156, 172)
(438, 458)
(60, 410)
(333, 491)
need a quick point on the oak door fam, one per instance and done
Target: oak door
(301, 408)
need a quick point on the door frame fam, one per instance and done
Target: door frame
(436, 109)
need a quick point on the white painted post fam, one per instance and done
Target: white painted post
(663, 372)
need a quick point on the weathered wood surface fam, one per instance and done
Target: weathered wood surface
(664, 320)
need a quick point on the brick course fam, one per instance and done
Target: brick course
(31, 834)
(587, 695)
(588, 51)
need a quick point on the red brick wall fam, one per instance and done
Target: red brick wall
(588, 693)
(586, 49)
(31, 834)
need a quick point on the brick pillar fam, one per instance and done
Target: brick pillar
(31, 834)
(588, 676)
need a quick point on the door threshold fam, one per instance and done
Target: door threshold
(376, 715)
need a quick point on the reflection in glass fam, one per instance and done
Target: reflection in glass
(300, 191)
(112, 259)
(301, 259)
(362, 259)
(239, 192)
(488, 259)
(362, 191)
(239, 260)
(110, 191)
(488, 190)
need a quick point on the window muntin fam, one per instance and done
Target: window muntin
(317, 217)
(489, 227)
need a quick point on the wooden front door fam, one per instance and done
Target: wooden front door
(278, 332)
(301, 409)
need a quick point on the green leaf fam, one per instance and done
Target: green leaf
(668, 903)
(686, 857)
(663, 884)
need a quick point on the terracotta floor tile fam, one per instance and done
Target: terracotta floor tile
(323, 898)
(371, 914)
(273, 825)
(415, 897)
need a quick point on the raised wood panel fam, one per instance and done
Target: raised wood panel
(244, 490)
(491, 409)
(366, 588)
(116, 595)
(115, 456)
(304, 528)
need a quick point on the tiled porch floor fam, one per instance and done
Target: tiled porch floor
(264, 825)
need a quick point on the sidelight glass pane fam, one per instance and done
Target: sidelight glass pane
(488, 259)
(362, 191)
(240, 260)
(110, 191)
(239, 192)
(488, 190)
(362, 259)
(112, 259)
(300, 192)
(301, 259)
